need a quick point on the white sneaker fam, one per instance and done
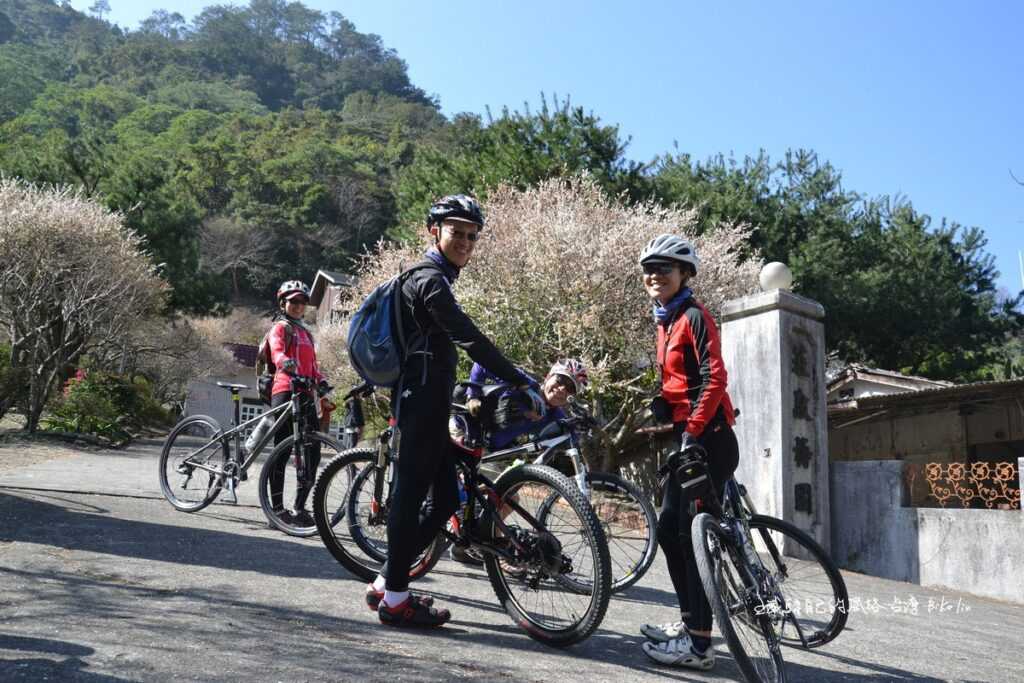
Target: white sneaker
(662, 633)
(680, 652)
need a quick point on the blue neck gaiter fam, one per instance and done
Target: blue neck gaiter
(663, 314)
(450, 271)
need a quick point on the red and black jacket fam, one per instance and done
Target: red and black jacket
(693, 376)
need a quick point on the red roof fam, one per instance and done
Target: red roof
(245, 354)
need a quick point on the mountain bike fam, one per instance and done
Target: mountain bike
(627, 516)
(536, 568)
(200, 459)
(759, 573)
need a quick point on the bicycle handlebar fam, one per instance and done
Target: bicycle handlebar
(359, 391)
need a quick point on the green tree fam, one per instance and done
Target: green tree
(519, 148)
(898, 292)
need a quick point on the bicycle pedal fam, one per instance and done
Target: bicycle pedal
(243, 476)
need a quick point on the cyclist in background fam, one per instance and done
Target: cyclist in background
(293, 353)
(693, 397)
(519, 412)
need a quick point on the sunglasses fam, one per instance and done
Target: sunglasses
(565, 383)
(462, 235)
(658, 268)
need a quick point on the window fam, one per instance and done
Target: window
(250, 409)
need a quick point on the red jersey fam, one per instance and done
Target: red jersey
(300, 349)
(693, 377)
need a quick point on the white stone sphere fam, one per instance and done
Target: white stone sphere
(775, 275)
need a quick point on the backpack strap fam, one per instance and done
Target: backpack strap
(399, 331)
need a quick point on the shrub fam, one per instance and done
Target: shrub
(106, 405)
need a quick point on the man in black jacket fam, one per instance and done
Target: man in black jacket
(421, 403)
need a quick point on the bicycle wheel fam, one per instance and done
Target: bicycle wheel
(192, 463)
(629, 524)
(751, 637)
(296, 491)
(570, 543)
(814, 589)
(344, 512)
(369, 528)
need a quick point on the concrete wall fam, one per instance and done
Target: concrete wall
(871, 530)
(206, 398)
(975, 551)
(752, 356)
(773, 345)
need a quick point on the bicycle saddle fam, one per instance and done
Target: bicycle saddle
(485, 389)
(232, 387)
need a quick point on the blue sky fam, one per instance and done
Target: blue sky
(922, 99)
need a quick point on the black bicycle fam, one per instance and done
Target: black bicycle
(535, 567)
(627, 516)
(200, 458)
(769, 583)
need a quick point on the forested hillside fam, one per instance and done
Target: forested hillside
(250, 144)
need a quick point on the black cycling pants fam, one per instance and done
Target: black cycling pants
(425, 465)
(306, 471)
(674, 525)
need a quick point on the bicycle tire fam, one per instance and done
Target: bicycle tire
(629, 561)
(174, 445)
(512, 592)
(328, 449)
(724, 586)
(790, 574)
(337, 537)
(376, 548)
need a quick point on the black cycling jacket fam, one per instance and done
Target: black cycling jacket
(434, 324)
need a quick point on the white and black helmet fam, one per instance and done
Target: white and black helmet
(670, 248)
(292, 288)
(574, 371)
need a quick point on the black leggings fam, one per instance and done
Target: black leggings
(425, 466)
(307, 472)
(674, 525)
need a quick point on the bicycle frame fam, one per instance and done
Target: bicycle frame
(548, 448)
(488, 501)
(285, 412)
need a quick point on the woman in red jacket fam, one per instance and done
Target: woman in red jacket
(293, 354)
(693, 397)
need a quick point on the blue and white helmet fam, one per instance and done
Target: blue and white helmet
(670, 248)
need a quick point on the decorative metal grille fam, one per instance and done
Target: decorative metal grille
(992, 485)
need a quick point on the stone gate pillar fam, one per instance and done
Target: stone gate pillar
(773, 344)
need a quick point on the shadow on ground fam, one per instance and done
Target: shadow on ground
(51, 520)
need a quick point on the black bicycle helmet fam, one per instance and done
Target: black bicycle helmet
(455, 207)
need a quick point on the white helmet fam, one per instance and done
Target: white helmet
(292, 288)
(670, 248)
(573, 370)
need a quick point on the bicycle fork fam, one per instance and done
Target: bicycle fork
(387, 443)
